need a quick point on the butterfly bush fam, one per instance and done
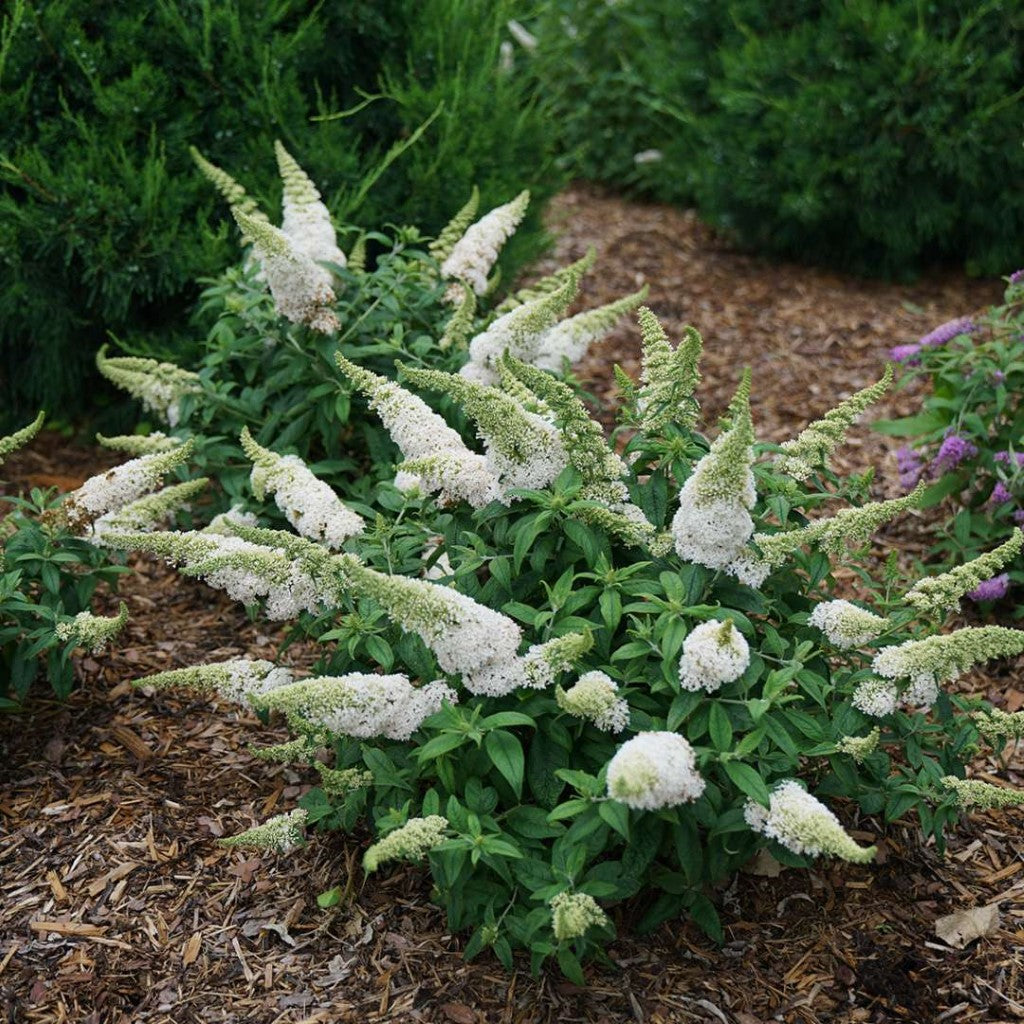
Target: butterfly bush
(966, 443)
(631, 670)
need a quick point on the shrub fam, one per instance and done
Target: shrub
(600, 677)
(968, 440)
(877, 137)
(296, 301)
(47, 579)
(105, 223)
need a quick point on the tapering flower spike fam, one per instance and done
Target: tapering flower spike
(941, 658)
(595, 697)
(242, 680)
(20, 438)
(860, 747)
(845, 625)
(813, 447)
(476, 252)
(516, 332)
(307, 221)
(92, 632)
(309, 504)
(552, 283)
(301, 289)
(832, 534)
(982, 796)
(998, 726)
(459, 328)
(139, 444)
(117, 487)
(669, 376)
(441, 247)
(654, 770)
(569, 340)
(804, 825)
(713, 523)
(149, 511)
(433, 451)
(467, 638)
(229, 189)
(160, 387)
(413, 841)
(358, 705)
(542, 663)
(280, 834)
(522, 448)
(940, 594)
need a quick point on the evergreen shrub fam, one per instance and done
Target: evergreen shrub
(104, 223)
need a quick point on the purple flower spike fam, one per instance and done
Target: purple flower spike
(1004, 457)
(991, 590)
(998, 376)
(905, 354)
(953, 450)
(949, 330)
(1017, 276)
(909, 466)
(1000, 494)
(1018, 516)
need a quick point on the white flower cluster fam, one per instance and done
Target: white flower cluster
(308, 503)
(876, 697)
(654, 770)
(434, 452)
(473, 255)
(860, 747)
(359, 705)
(282, 833)
(804, 825)
(92, 632)
(845, 625)
(147, 512)
(544, 459)
(713, 653)
(242, 680)
(306, 220)
(410, 842)
(595, 698)
(139, 444)
(973, 793)
(572, 913)
(301, 288)
(113, 490)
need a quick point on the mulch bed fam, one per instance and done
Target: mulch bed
(116, 904)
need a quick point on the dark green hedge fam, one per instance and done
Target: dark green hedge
(105, 224)
(874, 137)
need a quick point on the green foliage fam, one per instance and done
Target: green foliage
(516, 792)
(47, 577)
(967, 442)
(105, 223)
(877, 136)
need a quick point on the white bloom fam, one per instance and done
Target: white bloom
(654, 770)
(922, 692)
(93, 632)
(595, 698)
(845, 624)
(546, 459)
(711, 534)
(307, 221)
(713, 653)
(282, 833)
(457, 475)
(875, 697)
(410, 842)
(477, 251)
(572, 913)
(410, 484)
(360, 705)
(804, 825)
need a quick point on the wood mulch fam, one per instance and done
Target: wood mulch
(117, 906)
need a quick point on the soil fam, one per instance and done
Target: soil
(117, 906)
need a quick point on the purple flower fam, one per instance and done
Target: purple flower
(905, 354)
(1000, 494)
(949, 330)
(991, 590)
(1017, 276)
(909, 466)
(1004, 457)
(998, 376)
(953, 450)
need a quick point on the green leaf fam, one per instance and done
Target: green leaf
(719, 727)
(506, 754)
(747, 781)
(911, 426)
(616, 815)
(545, 757)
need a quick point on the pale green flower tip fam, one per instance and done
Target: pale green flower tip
(860, 854)
(572, 913)
(281, 833)
(412, 841)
